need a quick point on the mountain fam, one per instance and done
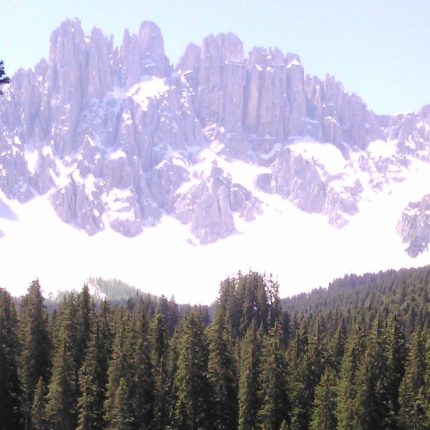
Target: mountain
(223, 161)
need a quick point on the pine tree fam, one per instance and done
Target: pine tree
(3, 78)
(273, 390)
(222, 375)
(141, 381)
(324, 407)
(337, 347)
(374, 408)
(169, 310)
(11, 417)
(229, 306)
(170, 396)
(120, 414)
(255, 306)
(84, 316)
(248, 383)
(158, 338)
(119, 367)
(309, 368)
(61, 408)
(427, 378)
(35, 344)
(396, 360)
(284, 426)
(413, 390)
(94, 373)
(38, 409)
(192, 388)
(346, 409)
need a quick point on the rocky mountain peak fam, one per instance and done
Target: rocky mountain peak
(116, 138)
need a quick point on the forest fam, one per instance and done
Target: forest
(353, 356)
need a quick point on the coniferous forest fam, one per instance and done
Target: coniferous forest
(353, 356)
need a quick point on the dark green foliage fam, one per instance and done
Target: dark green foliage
(273, 391)
(159, 340)
(3, 77)
(347, 389)
(373, 402)
(414, 388)
(355, 356)
(35, 344)
(61, 408)
(309, 358)
(250, 350)
(84, 315)
(222, 375)
(397, 351)
(11, 417)
(250, 299)
(93, 375)
(120, 414)
(324, 407)
(38, 408)
(192, 387)
(141, 379)
(119, 367)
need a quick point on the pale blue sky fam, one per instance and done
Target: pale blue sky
(378, 49)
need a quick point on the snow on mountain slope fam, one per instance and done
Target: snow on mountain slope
(114, 163)
(302, 250)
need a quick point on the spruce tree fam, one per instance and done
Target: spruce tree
(222, 375)
(94, 374)
(35, 344)
(61, 408)
(119, 367)
(284, 426)
(3, 77)
(374, 408)
(84, 316)
(274, 407)
(337, 347)
(255, 306)
(141, 380)
(38, 408)
(11, 416)
(192, 388)
(120, 413)
(158, 338)
(248, 384)
(170, 396)
(413, 392)
(309, 367)
(324, 407)
(397, 352)
(346, 408)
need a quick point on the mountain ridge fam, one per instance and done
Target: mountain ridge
(115, 137)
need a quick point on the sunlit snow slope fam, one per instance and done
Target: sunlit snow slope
(302, 250)
(116, 163)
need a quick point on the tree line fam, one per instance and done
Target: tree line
(353, 356)
(4, 79)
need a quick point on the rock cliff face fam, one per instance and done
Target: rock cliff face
(115, 136)
(414, 226)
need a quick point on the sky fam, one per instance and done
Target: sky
(378, 49)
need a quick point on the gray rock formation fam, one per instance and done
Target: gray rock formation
(116, 137)
(414, 226)
(338, 117)
(296, 179)
(210, 205)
